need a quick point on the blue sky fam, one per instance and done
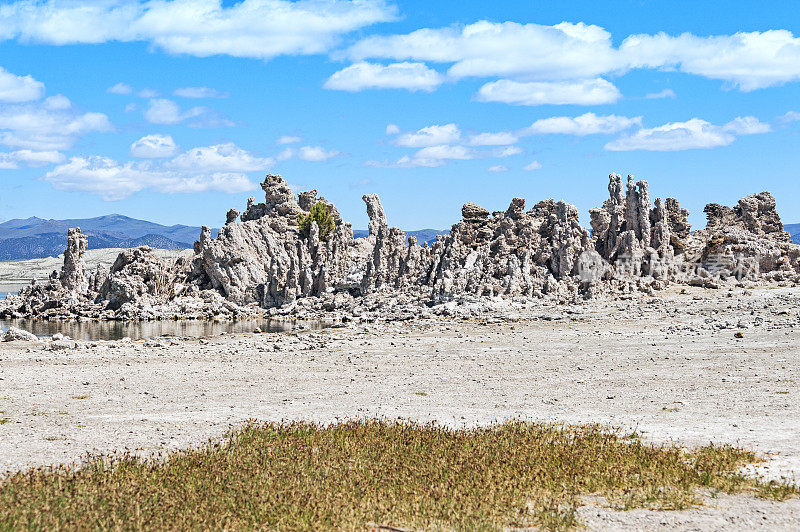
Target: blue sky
(172, 111)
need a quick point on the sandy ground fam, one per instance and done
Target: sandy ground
(672, 369)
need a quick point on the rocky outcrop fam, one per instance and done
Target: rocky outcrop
(73, 274)
(262, 261)
(748, 238)
(512, 253)
(13, 334)
(756, 214)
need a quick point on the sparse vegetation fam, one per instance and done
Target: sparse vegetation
(80, 396)
(319, 213)
(306, 476)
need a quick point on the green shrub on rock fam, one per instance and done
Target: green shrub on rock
(318, 213)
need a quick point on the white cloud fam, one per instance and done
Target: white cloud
(120, 88)
(16, 89)
(508, 151)
(213, 168)
(501, 138)
(789, 116)
(430, 136)
(497, 168)
(689, 135)
(392, 129)
(431, 157)
(199, 92)
(666, 93)
(285, 154)
(166, 112)
(316, 154)
(131, 107)
(260, 29)
(58, 102)
(585, 124)
(114, 181)
(434, 156)
(748, 61)
(47, 125)
(486, 49)
(288, 139)
(219, 158)
(567, 51)
(363, 75)
(148, 93)
(29, 158)
(533, 165)
(584, 92)
(154, 147)
(747, 125)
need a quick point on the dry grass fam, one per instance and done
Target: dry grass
(300, 476)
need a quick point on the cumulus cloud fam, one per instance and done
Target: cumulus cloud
(430, 136)
(666, 93)
(789, 116)
(148, 93)
(507, 49)
(114, 181)
(431, 157)
(154, 147)
(288, 139)
(200, 92)
(29, 158)
(409, 76)
(689, 135)
(749, 61)
(585, 124)
(47, 125)
(508, 151)
(16, 89)
(250, 28)
(585, 92)
(501, 138)
(533, 165)
(220, 158)
(438, 144)
(316, 154)
(166, 112)
(120, 88)
(285, 154)
(497, 168)
(575, 51)
(212, 168)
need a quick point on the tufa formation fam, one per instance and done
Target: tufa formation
(262, 262)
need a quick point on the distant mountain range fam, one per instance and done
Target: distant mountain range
(36, 238)
(794, 230)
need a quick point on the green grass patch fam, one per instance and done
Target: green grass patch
(301, 476)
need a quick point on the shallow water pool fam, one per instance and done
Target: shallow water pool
(135, 330)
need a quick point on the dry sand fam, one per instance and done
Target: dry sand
(670, 368)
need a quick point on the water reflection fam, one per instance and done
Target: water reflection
(115, 330)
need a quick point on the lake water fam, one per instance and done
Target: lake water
(115, 330)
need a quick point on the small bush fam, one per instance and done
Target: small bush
(319, 213)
